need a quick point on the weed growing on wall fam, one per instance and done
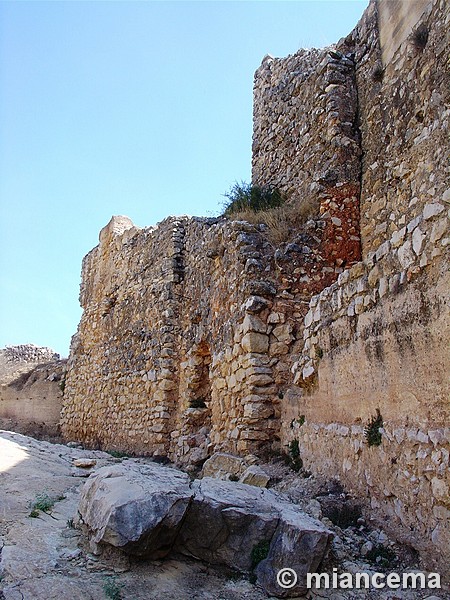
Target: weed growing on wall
(293, 459)
(246, 196)
(263, 205)
(197, 403)
(372, 431)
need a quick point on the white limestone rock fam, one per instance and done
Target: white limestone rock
(137, 508)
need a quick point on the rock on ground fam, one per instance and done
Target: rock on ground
(137, 508)
(147, 509)
(44, 558)
(228, 521)
(232, 468)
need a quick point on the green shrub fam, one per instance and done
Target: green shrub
(246, 196)
(301, 421)
(382, 556)
(259, 552)
(43, 503)
(112, 589)
(293, 459)
(118, 454)
(372, 431)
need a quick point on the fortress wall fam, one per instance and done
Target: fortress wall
(396, 21)
(368, 116)
(306, 139)
(403, 114)
(201, 335)
(31, 398)
(391, 354)
(171, 352)
(376, 338)
(189, 331)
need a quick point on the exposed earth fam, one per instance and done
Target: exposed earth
(43, 557)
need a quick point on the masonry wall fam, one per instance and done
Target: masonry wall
(31, 397)
(403, 115)
(306, 139)
(171, 355)
(200, 335)
(379, 338)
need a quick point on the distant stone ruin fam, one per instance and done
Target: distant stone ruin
(31, 388)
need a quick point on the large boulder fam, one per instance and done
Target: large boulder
(147, 510)
(300, 543)
(137, 508)
(227, 523)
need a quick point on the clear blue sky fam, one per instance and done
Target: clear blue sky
(135, 108)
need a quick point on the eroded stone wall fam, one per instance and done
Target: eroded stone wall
(389, 353)
(200, 335)
(306, 139)
(31, 389)
(404, 115)
(378, 339)
(305, 136)
(169, 357)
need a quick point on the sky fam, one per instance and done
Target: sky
(137, 108)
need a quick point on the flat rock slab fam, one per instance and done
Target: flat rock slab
(137, 508)
(44, 558)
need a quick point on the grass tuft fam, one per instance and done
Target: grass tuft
(43, 503)
(112, 589)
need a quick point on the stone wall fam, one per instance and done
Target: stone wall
(379, 338)
(306, 139)
(404, 113)
(359, 115)
(199, 335)
(189, 331)
(396, 20)
(31, 383)
(169, 357)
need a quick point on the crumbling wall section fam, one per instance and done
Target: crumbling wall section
(31, 389)
(201, 335)
(169, 357)
(376, 337)
(305, 135)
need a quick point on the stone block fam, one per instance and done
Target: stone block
(255, 342)
(253, 323)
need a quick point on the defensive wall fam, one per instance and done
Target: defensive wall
(200, 335)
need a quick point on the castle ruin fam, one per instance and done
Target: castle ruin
(201, 334)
